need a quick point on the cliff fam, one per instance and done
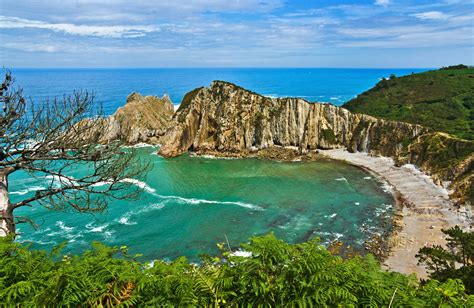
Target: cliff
(226, 118)
(142, 119)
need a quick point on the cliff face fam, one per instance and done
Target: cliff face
(142, 119)
(229, 119)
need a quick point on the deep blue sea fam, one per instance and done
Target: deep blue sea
(191, 203)
(111, 86)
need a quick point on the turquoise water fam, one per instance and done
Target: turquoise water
(192, 203)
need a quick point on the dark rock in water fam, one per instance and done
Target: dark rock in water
(279, 221)
(307, 236)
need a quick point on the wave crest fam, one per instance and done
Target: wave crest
(27, 190)
(140, 184)
(204, 201)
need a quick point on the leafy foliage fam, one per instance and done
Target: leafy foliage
(274, 274)
(442, 100)
(455, 261)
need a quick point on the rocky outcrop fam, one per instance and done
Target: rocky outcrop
(226, 118)
(445, 158)
(142, 119)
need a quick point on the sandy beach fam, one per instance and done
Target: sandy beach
(426, 209)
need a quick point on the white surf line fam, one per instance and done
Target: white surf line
(152, 191)
(430, 209)
(204, 201)
(27, 190)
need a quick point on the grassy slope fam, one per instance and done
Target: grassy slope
(442, 100)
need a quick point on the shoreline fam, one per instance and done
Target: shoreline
(422, 210)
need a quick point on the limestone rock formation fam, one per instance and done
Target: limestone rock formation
(226, 118)
(142, 119)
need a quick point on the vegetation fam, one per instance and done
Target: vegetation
(275, 274)
(441, 152)
(51, 140)
(442, 100)
(455, 261)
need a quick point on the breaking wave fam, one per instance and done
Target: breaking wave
(387, 188)
(140, 184)
(97, 229)
(204, 201)
(126, 219)
(27, 190)
(139, 145)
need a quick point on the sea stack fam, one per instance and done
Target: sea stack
(142, 119)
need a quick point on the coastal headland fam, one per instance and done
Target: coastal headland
(431, 171)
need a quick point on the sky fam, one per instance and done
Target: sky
(236, 33)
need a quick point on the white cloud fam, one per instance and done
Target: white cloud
(432, 15)
(416, 38)
(382, 2)
(32, 47)
(115, 31)
(124, 11)
(381, 32)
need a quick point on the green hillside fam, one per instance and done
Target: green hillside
(442, 100)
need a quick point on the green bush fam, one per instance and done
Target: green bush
(275, 274)
(439, 99)
(454, 261)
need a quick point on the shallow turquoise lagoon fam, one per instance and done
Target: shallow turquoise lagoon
(191, 203)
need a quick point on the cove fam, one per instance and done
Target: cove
(191, 203)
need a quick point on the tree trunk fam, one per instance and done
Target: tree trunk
(7, 224)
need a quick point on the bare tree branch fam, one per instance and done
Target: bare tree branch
(60, 140)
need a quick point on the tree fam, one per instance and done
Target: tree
(52, 140)
(461, 245)
(454, 261)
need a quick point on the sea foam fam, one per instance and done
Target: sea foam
(139, 145)
(27, 190)
(63, 227)
(204, 201)
(97, 229)
(140, 184)
(125, 219)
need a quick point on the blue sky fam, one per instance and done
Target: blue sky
(233, 33)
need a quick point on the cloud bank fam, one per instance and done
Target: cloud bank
(235, 33)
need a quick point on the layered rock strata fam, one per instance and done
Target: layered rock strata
(142, 119)
(226, 118)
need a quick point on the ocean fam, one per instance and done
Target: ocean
(112, 86)
(191, 203)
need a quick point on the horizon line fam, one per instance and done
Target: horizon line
(218, 67)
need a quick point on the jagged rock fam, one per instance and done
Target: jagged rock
(226, 118)
(142, 119)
